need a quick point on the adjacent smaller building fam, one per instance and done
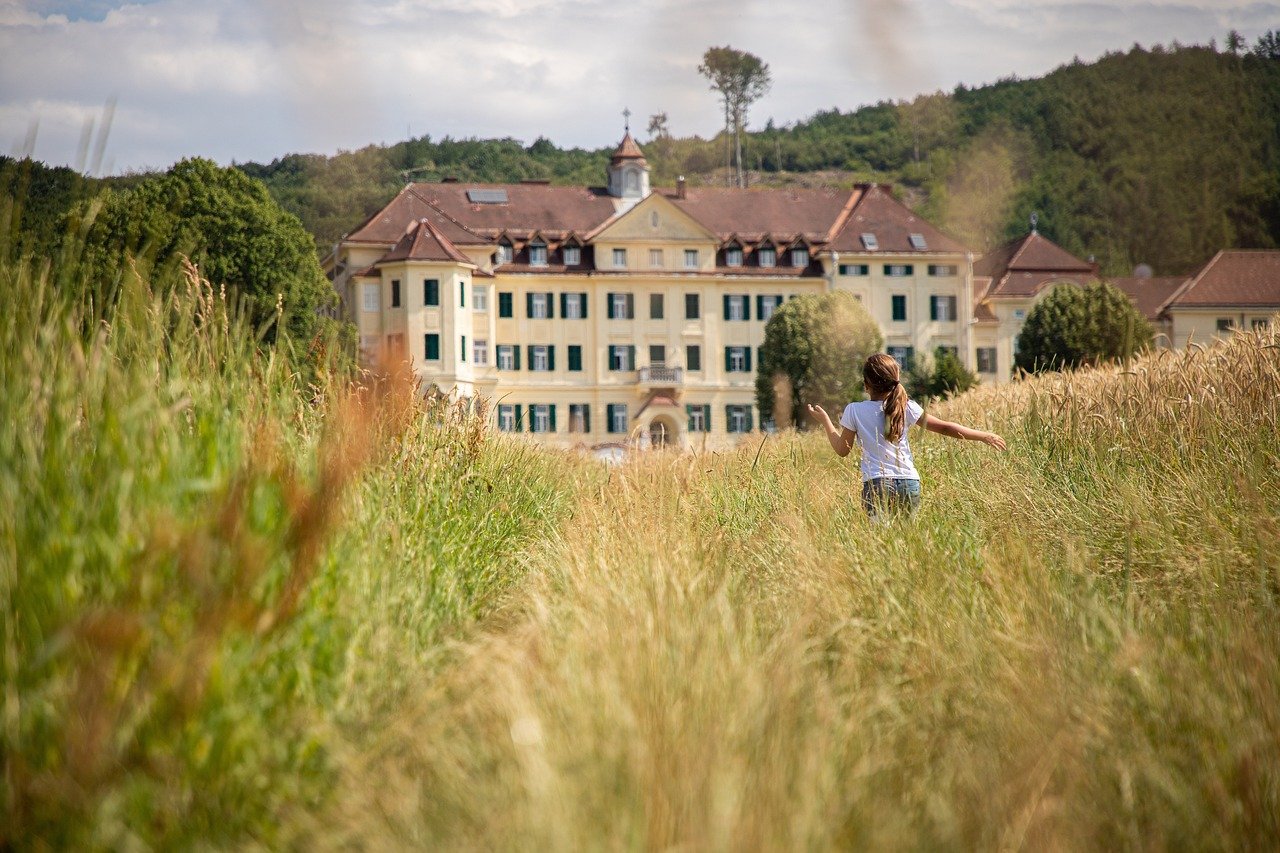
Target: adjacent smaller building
(1237, 289)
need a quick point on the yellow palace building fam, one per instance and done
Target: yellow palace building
(606, 316)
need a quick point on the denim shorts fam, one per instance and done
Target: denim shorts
(890, 494)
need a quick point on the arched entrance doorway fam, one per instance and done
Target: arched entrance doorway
(662, 433)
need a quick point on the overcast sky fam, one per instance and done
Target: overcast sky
(240, 80)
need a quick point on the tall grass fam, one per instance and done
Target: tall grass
(1072, 646)
(211, 576)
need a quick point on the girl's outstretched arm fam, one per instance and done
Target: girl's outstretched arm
(954, 430)
(841, 440)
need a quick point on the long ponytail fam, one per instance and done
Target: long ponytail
(882, 378)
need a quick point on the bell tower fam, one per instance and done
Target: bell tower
(628, 170)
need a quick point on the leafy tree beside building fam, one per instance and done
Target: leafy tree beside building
(1075, 326)
(813, 351)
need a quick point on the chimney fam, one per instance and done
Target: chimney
(680, 187)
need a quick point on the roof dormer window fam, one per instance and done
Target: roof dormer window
(918, 243)
(572, 255)
(733, 255)
(537, 254)
(767, 256)
(505, 252)
(869, 241)
(799, 256)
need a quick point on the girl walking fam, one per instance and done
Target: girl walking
(880, 424)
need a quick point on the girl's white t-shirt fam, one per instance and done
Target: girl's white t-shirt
(880, 458)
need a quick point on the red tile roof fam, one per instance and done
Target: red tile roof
(1022, 267)
(552, 211)
(1149, 295)
(1234, 277)
(388, 225)
(877, 212)
(423, 241)
(751, 214)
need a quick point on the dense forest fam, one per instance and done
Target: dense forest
(1159, 156)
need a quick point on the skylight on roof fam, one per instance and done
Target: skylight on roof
(870, 242)
(917, 242)
(487, 196)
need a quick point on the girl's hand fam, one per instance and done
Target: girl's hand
(994, 440)
(819, 414)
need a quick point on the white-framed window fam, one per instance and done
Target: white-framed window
(620, 357)
(769, 304)
(1226, 324)
(479, 297)
(986, 359)
(767, 256)
(737, 418)
(942, 308)
(737, 360)
(943, 269)
(573, 306)
(572, 255)
(618, 417)
(540, 415)
(736, 308)
(869, 241)
(733, 256)
(537, 254)
(504, 253)
(655, 258)
(898, 270)
(579, 417)
(799, 257)
(539, 358)
(539, 305)
(619, 259)
(854, 269)
(1260, 324)
(691, 259)
(506, 418)
(618, 302)
(372, 295)
(506, 357)
(697, 419)
(480, 352)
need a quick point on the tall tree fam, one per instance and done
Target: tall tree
(741, 78)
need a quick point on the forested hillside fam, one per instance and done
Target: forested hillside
(1159, 156)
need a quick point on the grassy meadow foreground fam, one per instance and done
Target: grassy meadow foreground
(244, 610)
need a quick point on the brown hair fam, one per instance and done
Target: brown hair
(881, 376)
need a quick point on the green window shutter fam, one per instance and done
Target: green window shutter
(760, 305)
(706, 417)
(462, 296)
(750, 422)
(746, 307)
(564, 310)
(575, 357)
(726, 306)
(529, 354)
(553, 417)
(746, 351)
(551, 360)
(432, 347)
(551, 307)
(609, 409)
(515, 354)
(631, 306)
(504, 305)
(728, 362)
(430, 291)
(933, 307)
(631, 357)
(528, 305)
(693, 357)
(583, 297)
(688, 413)
(462, 355)
(586, 417)
(728, 418)
(609, 312)
(519, 415)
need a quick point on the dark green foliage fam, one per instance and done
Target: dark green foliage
(228, 225)
(1075, 326)
(940, 376)
(814, 348)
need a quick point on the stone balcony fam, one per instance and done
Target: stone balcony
(657, 376)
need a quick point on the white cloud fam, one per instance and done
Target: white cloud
(239, 80)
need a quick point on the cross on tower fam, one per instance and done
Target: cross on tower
(626, 119)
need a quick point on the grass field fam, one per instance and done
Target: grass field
(243, 611)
